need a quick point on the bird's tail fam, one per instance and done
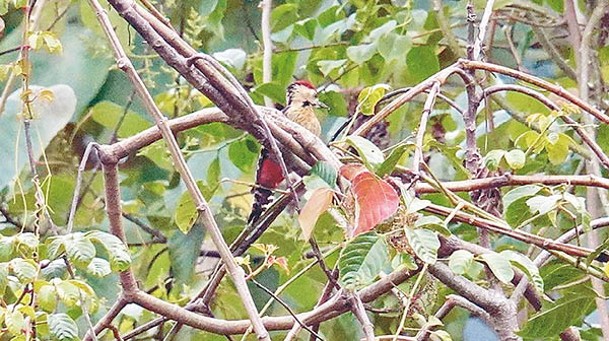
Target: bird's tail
(262, 198)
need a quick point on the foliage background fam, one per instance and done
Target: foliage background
(343, 46)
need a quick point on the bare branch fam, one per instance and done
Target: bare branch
(427, 108)
(558, 90)
(267, 43)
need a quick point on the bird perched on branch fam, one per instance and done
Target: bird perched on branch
(301, 99)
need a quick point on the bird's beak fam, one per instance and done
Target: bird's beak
(320, 105)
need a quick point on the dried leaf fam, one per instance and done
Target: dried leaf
(318, 203)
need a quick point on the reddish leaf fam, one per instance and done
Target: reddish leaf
(281, 261)
(350, 170)
(318, 203)
(375, 201)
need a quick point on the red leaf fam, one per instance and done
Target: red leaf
(318, 203)
(350, 170)
(375, 201)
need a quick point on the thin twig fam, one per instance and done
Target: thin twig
(75, 196)
(267, 44)
(427, 108)
(360, 313)
(445, 27)
(287, 307)
(486, 17)
(558, 90)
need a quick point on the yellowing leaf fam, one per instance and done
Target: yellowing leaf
(375, 201)
(368, 151)
(515, 158)
(369, 97)
(558, 148)
(318, 203)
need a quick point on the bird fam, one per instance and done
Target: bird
(301, 101)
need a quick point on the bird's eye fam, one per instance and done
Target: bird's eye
(306, 104)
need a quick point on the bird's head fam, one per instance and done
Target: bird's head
(302, 93)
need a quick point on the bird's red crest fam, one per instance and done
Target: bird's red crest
(306, 83)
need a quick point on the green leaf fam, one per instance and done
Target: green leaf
(326, 172)
(186, 213)
(369, 97)
(51, 42)
(306, 28)
(67, 292)
(62, 327)
(235, 58)
(47, 298)
(213, 173)
(567, 311)
(15, 322)
(460, 261)
(527, 266)
(422, 62)
(414, 204)
(28, 240)
(531, 140)
(336, 102)
(424, 243)
(393, 46)
(514, 203)
(543, 204)
(86, 294)
(25, 269)
(113, 116)
(361, 53)
(99, 267)
(80, 66)
(184, 250)
(117, 250)
(3, 278)
(500, 266)
(56, 246)
(368, 151)
(6, 247)
(557, 273)
(557, 148)
(52, 115)
(283, 16)
(327, 66)
(362, 260)
(493, 159)
(515, 158)
(284, 66)
(79, 249)
(392, 160)
(243, 154)
(382, 30)
(272, 90)
(55, 269)
(157, 153)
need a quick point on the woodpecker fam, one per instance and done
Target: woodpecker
(301, 99)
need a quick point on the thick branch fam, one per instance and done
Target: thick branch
(558, 90)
